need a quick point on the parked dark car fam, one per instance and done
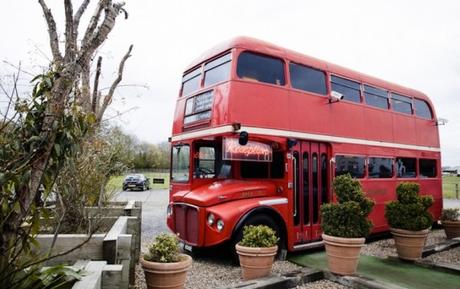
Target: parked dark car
(136, 181)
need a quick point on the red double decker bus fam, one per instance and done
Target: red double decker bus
(260, 132)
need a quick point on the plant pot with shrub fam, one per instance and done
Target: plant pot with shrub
(164, 266)
(409, 220)
(450, 220)
(345, 225)
(256, 251)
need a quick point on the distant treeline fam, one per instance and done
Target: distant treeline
(140, 155)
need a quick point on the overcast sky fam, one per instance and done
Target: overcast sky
(412, 43)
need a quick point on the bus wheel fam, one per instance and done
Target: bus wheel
(259, 219)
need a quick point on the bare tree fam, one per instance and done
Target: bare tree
(68, 82)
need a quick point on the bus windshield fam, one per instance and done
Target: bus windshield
(180, 163)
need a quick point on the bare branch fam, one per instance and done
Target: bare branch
(58, 226)
(70, 42)
(94, 21)
(95, 99)
(80, 11)
(54, 40)
(76, 21)
(109, 96)
(93, 40)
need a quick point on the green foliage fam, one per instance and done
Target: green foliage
(164, 249)
(56, 277)
(258, 236)
(83, 179)
(26, 159)
(452, 214)
(348, 217)
(409, 211)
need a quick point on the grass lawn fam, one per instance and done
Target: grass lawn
(448, 186)
(116, 183)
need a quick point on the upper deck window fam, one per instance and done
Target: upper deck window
(401, 103)
(376, 97)
(349, 89)
(261, 68)
(422, 109)
(217, 70)
(191, 81)
(307, 78)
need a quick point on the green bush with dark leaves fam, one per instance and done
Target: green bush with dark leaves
(410, 210)
(164, 249)
(348, 217)
(452, 214)
(258, 236)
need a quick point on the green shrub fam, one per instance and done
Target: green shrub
(450, 214)
(258, 236)
(409, 212)
(348, 217)
(165, 249)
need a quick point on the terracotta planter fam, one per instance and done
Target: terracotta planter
(452, 229)
(256, 262)
(343, 253)
(409, 244)
(166, 275)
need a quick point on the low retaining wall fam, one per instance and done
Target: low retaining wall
(119, 246)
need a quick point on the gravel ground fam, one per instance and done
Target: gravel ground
(210, 273)
(322, 284)
(215, 272)
(386, 247)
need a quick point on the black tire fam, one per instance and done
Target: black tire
(257, 219)
(124, 189)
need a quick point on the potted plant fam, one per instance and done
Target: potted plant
(164, 266)
(256, 251)
(345, 225)
(450, 220)
(409, 220)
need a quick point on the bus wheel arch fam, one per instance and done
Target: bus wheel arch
(262, 216)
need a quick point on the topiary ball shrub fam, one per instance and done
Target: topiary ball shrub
(452, 214)
(410, 210)
(348, 217)
(164, 249)
(259, 236)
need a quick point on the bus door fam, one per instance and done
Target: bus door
(310, 187)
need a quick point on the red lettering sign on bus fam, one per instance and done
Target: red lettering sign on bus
(252, 151)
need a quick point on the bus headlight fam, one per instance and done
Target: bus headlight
(211, 219)
(220, 225)
(169, 211)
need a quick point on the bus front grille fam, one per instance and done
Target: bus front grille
(186, 223)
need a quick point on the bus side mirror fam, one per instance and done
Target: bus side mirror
(335, 96)
(243, 139)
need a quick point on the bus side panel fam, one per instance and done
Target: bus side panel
(259, 104)
(404, 128)
(427, 133)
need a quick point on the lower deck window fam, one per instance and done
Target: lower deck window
(406, 167)
(380, 168)
(352, 165)
(427, 168)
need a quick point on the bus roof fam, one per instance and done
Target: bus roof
(264, 47)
